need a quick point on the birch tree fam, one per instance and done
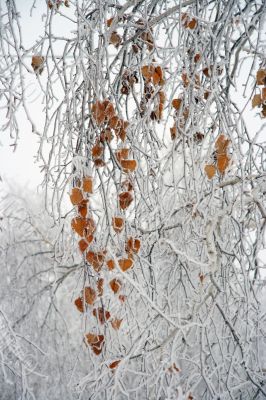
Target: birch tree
(156, 185)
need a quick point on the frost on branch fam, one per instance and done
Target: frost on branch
(156, 188)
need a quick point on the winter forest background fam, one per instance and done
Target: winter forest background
(133, 211)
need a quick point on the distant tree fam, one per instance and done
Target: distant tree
(145, 129)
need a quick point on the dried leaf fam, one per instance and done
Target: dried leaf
(83, 244)
(132, 245)
(261, 77)
(256, 101)
(147, 72)
(115, 39)
(109, 111)
(185, 79)
(37, 63)
(157, 76)
(114, 122)
(127, 185)
(263, 95)
(176, 368)
(100, 283)
(198, 136)
(114, 364)
(83, 209)
(125, 263)
(97, 150)
(98, 112)
(106, 135)
(96, 342)
(76, 196)
(192, 23)
(122, 298)
(79, 304)
(87, 184)
(197, 57)
(129, 165)
(122, 154)
(116, 323)
(125, 199)
(206, 72)
(109, 22)
(210, 170)
(96, 259)
(101, 314)
(110, 265)
(115, 284)
(173, 132)
(221, 144)
(78, 224)
(98, 162)
(90, 295)
(176, 103)
(118, 224)
(201, 277)
(222, 162)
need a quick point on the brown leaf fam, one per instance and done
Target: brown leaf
(122, 154)
(114, 122)
(114, 364)
(82, 208)
(110, 264)
(129, 165)
(101, 314)
(100, 283)
(176, 103)
(173, 132)
(261, 77)
(97, 150)
(76, 196)
(132, 245)
(256, 101)
(106, 135)
(147, 72)
(115, 39)
(96, 259)
(125, 263)
(37, 63)
(79, 304)
(98, 162)
(122, 298)
(125, 199)
(127, 185)
(116, 323)
(115, 284)
(210, 170)
(197, 57)
(118, 224)
(83, 244)
(198, 136)
(96, 342)
(192, 23)
(109, 22)
(90, 295)
(206, 72)
(263, 95)
(185, 79)
(222, 162)
(221, 144)
(79, 225)
(98, 112)
(87, 184)
(157, 76)
(263, 113)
